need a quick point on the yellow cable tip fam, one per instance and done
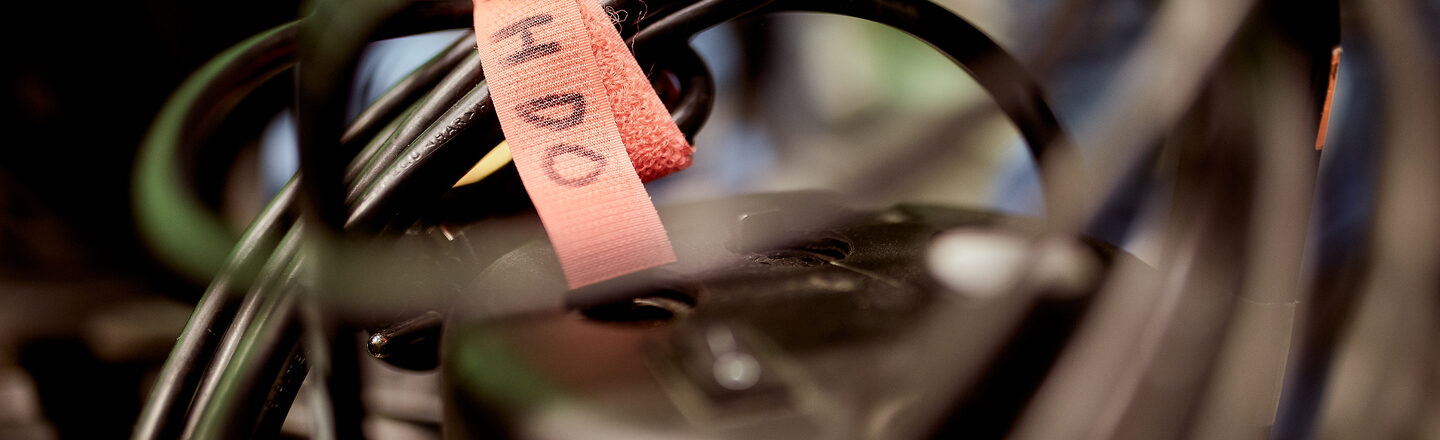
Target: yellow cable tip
(496, 158)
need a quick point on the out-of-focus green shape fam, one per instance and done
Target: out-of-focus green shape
(915, 74)
(172, 221)
(487, 365)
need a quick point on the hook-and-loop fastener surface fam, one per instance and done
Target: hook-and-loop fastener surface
(584, 127)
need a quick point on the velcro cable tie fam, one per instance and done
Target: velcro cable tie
(584, 127)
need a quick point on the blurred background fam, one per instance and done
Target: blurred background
(88, 311)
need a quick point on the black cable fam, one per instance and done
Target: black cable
(466, 76)
(1012, 87)
(258, 303)
(692, 108)
(427, 167)
(409, 89)
(206, 382)
(170, 397)
(330, 43)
